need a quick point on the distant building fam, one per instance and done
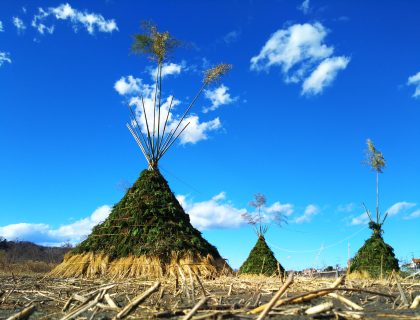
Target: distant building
(415, 264)
(309, 271)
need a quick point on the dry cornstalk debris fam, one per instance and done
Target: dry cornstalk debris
(346, 301)
(195, 308)
(276, 297)
(25, 313)
(51, 295)
(136, 301)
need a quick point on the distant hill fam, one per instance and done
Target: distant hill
(16, 252)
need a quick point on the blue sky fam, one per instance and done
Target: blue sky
(311, 82)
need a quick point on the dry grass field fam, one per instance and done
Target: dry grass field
(36, 296)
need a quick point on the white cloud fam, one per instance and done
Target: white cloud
(361, 219)
(92, 22)
(305, 7)
(214, 213)
(309, 212)
(301, 53)
(400, 207)
(324, 74)
(296, 44)
(1, 26)
(128, 85)
(415, 81)
(4, 57)
(413, 215)
(42, 233)
(218, 97)
(167, 70)
(196, 131)
(18, 23)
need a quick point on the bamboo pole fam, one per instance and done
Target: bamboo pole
(165, 124)
(167, 148)
(138, 127)
(346, 301)
(265, 309)
(154, 110)
(186, 112)
(195, 308)
(136, 301)
(159, 106)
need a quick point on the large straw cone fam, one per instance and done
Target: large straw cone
(146, 234)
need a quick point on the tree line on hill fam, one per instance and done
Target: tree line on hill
(12, 252)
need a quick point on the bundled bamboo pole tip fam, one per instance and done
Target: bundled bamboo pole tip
(415, 303)
(326, 306)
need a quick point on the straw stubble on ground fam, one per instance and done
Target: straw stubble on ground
(36, 297)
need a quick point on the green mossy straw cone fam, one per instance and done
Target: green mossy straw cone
(261, 261)
(375, 257)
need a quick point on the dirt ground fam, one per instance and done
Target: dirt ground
(40, 297)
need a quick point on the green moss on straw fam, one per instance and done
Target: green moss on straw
(147, 221)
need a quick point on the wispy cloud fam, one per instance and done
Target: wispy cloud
(305, 7)
(42, 233)
(400, 207)
(415, 81)
(361, 219)
(309, 212)
(5, 57)
(413, 215)
(218, 97)
(232, 36)
(18, 23)
(37, 22)
(214, 213)
(301, 53)
(348, 207)
(92, 22)
(1, 26)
